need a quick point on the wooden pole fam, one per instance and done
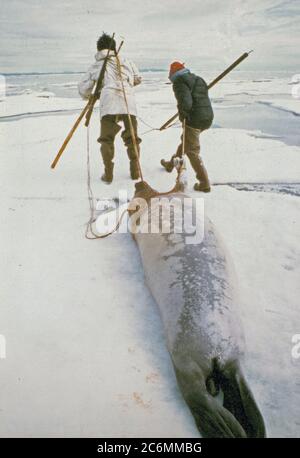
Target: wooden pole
(69, 136)
(88, 109)
(99, 85)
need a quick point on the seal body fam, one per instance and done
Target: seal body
(194, 285)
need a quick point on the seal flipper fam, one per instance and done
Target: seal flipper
(239, 400)
(212, 381)
(212, 387)
(212, 419)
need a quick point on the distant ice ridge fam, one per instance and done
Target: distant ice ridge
(237, 82)
(244, 100)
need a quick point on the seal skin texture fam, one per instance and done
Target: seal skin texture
(194, 286)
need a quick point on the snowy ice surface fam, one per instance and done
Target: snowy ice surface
(86, 354)
(37, 102)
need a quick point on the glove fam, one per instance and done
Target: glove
(183, 116)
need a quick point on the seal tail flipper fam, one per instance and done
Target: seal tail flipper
(239, 400)
(212, 419)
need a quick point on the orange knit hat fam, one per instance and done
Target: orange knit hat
(175, 66)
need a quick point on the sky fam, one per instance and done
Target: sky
(61, 35)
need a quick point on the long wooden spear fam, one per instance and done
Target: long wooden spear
(215, 81)
(88, 109)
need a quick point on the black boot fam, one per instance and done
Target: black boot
(134, 169)
(107, 176)
(168, 165)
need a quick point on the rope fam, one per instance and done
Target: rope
(152, 129)
(132, 133)
(180, 168)
(89, 232)
(171, 125)
(146, 124)
(147, 132)
(183, 138)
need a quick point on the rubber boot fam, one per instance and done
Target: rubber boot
(168, 165)
(202, 188)
(134, 169)
(107, 176)
(204, 185)
(201, 174)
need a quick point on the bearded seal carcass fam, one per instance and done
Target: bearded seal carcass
(195, 289)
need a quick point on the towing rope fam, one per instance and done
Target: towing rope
(89, 232)
(132, 133)
(153, 129)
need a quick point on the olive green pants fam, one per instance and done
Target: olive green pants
(110, 127)
(192, 150)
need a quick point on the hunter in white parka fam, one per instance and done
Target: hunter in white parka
(113, 108)
(112, 98)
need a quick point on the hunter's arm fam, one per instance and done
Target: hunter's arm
(86, 85)
(137, 79)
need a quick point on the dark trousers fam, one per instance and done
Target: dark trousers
(192, 150)
(109, 128)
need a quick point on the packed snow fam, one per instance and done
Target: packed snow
(85, 349)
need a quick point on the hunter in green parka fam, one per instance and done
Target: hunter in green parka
(196, 115)
(193, 102)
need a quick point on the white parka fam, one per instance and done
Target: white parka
(112, 97)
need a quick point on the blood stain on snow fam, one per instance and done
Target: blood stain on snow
(139, 400)
(153, 377)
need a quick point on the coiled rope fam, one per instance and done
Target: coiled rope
(89, 232)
